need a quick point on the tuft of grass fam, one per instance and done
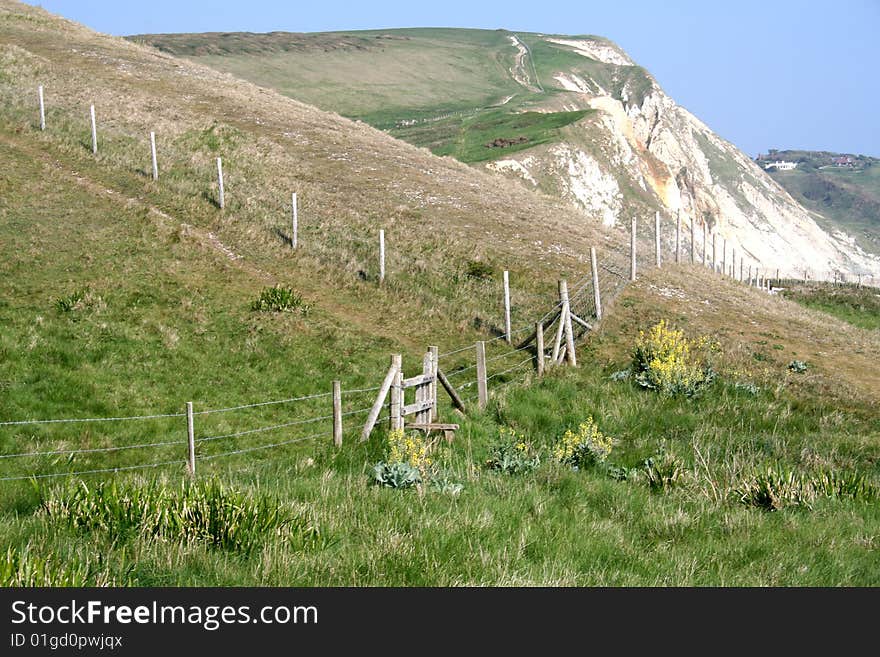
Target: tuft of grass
(279, 299)
(206, 512)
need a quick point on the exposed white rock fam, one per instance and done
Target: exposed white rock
(597, 50)
(514, 166)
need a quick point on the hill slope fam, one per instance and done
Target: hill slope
(476, 95)
(127, 296)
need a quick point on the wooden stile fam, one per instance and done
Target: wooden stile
(393, 371)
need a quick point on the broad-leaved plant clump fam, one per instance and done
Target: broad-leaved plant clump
(512, 454)
(406, 460)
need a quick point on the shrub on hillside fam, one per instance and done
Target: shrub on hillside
(479, 270)
(667, 361)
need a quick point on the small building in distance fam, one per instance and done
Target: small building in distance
(844, 161)
(780, 165)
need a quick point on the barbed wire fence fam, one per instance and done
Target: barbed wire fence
(491, 364)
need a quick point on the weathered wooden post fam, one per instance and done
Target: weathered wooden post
(632, 248)
(294, 222)
(191, 440)
(435, 369)
(677, 236)
(337, 413)
(381, 256)
(482, 389)
(714, 252)
(539, 346)
(704, 243)
(153, 156)
(724, 259)
(693, 239)
(396, 406)
(94, 130)
(733, 263)
(394, 372)
(566, 316)
(220, 182)
(42, 108)
(597, 300)
(507, 306)
(657, 236)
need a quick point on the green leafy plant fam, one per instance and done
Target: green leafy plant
(396, 475)
(776, 488)
(797, 366)
(585, 448)
(512, 454)
(279, 299)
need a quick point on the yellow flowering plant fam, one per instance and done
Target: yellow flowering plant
(666, 360)
(407, 461)
(512, 453)
(588, 446)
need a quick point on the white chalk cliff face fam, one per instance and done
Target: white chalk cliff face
(640, 140)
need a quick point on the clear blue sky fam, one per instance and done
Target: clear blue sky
(762, 74)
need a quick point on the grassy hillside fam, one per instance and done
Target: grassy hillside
(846, 198)
(126, 296)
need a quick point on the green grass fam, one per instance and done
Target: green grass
(466, 138)
(858, 306)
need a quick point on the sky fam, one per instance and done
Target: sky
(762, 74)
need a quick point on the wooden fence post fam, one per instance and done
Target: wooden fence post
(482, 389)
(396, 407)
(42, 109)
(632, 248)
(566, 315)
(337, 413)
(677, 236)
(191, 440)
(381, 256)
(714, 251)
(657, 237)
(390, 377)
(153, 156)
(724, 259)
(507, 306)
(539, 346)
(294, 222)
(435, 369)
(704, 243)
(220, 182)
(94, 130)
(693, 239)
(596, 296)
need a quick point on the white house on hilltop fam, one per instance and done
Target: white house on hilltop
(780, 165)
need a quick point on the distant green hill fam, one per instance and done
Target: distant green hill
(846, 193)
